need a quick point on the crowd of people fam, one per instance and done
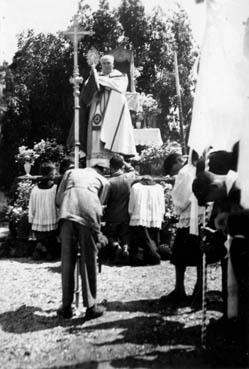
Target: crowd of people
(120, 219)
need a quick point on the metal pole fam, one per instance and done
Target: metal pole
(179, 102)
(76, 98)
(204, 291)
(74, 33)
(204, 303)
(76, 145)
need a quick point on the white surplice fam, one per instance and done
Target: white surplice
(116, 131)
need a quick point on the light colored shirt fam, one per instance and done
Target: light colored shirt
(42, 209)
(182, 195)
(80, 195)
(146, 205)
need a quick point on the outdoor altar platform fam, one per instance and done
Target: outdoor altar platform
(147, 136)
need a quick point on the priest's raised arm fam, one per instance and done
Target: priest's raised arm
(108, 125)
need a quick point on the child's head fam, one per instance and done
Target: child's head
(172, 164)
(116, 162)
(67, 163)
(47, 170)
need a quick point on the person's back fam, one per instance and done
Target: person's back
(78, 196)
(116, 212)
(42, 209)
(43, 214)
(147, 206)
(118, 199)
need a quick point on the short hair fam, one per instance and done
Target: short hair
(194, 156)
(147, 180)
(201, 186)
(117, 161)
(170, 160)
(107, 57)
(66, 163)
(220, 162)
(46, 168)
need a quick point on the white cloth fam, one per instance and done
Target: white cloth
(230, 180)
(148, 136)
(146, 205)
(218, 111)
(182, 195)
(116, 133)
(243, 168)
(42, 209)
(133, 101)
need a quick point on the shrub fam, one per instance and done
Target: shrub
(17, 213)
(152, 157)
(50, 150)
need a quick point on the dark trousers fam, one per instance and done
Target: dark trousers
(224, 285)
(144, 244)
(239, 253)
(72, 235)
(117, 232)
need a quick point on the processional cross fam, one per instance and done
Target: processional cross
(75, 32)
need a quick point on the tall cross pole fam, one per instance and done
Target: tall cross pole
(75, 33)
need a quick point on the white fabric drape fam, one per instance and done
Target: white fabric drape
(243, 166)
(218, 111)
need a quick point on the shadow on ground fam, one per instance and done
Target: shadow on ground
(174, 344)
(31, 319)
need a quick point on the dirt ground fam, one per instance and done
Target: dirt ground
(137, 330)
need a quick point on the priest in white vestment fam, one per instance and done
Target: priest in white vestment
(109, 127)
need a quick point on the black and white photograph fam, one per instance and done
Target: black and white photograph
(124, 184)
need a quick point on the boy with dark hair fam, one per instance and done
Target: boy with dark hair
(43, 214)
(172, 164)
(186, 248)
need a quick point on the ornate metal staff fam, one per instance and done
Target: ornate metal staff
(92, 60)
(75, 33)
(204, 293)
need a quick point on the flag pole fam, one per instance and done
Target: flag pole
(179, 102)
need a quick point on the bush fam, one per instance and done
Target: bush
(17, 213)
(152, 157)
(49, 150)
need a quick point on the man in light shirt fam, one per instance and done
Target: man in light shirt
(80, 197)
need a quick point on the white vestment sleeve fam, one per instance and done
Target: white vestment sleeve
(181, 193)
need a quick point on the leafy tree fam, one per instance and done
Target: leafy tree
(43, 65)
(40, 105)
(155, 39)
(135, 24)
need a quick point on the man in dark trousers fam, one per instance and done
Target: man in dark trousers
(116, 213)
(80, 197)
(234, 222)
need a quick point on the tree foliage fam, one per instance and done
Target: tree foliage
(41, 103)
